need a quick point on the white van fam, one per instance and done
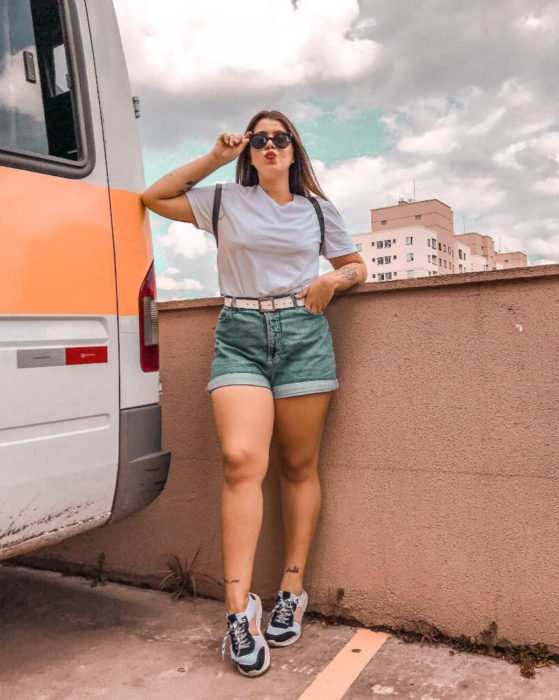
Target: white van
(80, 420)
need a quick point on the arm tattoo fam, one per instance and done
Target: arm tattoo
(293, 570)
(189, 185)
(233, 580)
(348, 273)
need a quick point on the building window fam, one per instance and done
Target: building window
(388, 275)
(394, 257)
(428, 242)
(387, 259)
(387, 244)
(418, 216)
(383, 222)
(373, 243)
(444, 248)
(381, 277)
(395, 274)
(409, 257)
(380, 261)
(411, 273)
(359, 247)
(434, 243)
(505, 261)
(434, 259)
(409, 240)
(373, 259)
(439, 246)
(380, 244)
(464, 256)
(460, 254)
(428, 258)
(393, 240)
(373, 276)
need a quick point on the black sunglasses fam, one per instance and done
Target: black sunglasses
(280, 140)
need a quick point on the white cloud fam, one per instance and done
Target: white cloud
(437, 141)
(188, 46)
(533, 23)
(167, 281)
(186, 241)
(548, 186)
(545, 261)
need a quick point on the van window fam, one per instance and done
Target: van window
(37, 104)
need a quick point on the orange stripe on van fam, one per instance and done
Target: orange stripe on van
(133, 246)
(57, 246)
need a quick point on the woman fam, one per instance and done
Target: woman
(273, 366)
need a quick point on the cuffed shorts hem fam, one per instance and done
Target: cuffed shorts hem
(238, 379)
(283, 391)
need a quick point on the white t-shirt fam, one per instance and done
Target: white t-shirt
(267, 249)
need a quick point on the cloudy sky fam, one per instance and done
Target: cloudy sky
(458, 97)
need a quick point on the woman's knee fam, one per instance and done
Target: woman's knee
(298, 467)
(241, 464)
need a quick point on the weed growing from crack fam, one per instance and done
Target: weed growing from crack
(528, 657)
(182, 577)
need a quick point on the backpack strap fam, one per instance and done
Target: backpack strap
(215, 212)
(320, 216)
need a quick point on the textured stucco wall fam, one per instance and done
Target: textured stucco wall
(439, 461)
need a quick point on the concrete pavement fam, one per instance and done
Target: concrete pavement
(61, 638)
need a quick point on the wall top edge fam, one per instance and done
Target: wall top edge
(489, 276)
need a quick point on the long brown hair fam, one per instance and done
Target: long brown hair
(302, 179)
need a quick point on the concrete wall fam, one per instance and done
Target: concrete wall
(439, 504)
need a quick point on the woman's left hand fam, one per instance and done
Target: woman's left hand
(318, 294)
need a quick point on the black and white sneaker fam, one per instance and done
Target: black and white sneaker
(284, 627)
(249, 649)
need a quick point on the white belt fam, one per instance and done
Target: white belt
(264, 304)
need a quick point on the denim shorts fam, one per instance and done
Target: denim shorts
(288, 351)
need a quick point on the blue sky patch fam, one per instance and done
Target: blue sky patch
(341, 133)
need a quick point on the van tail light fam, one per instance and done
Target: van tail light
(149, 324)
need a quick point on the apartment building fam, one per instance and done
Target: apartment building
(508, 260)
(484, 257)
(416, 239)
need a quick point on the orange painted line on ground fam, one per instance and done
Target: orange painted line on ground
(334, 681)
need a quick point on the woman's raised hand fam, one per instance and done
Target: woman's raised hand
(229, 146)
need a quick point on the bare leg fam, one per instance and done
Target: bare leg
(244, 417)
(299, 422)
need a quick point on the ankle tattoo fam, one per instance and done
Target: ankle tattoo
(231, 580)
(293, 569)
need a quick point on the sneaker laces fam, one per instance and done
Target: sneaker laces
(237, 632)
(283, 612)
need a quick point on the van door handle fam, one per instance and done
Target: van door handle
(29, 63)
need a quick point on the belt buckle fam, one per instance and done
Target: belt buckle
(271, 299)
